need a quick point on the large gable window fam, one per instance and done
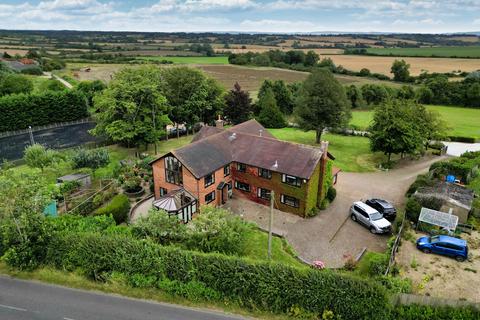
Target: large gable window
(173, 171)
(291, 180)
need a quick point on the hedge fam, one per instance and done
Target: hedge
(420, 312)
(22, 110)
(264, 285)
(462, 139)
(118, 208)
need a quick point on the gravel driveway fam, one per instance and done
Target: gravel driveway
(332, 236)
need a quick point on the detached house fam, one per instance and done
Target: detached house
(245, 161)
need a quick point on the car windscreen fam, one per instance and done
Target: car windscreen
(433, 239)
(376, 216)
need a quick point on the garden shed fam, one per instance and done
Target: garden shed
(82, 178)
(449, 196)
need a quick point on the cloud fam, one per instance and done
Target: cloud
(267, 25)
(200, 5)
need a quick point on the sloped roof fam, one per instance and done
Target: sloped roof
(243, 143)
(173, 200)
(206, 131)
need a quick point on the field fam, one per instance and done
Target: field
(250, 78)
(462, 121)
(460, 52)
(190, 60)
(383, 65)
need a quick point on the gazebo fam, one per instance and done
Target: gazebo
(179, 203)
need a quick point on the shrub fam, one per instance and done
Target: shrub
(118, 208)
(462, 139)
(412, 209)
(331, 194)
(36, 71)
(94, 158)
(373, 264)
(160, 227)
(421, 312)
(423, 180)
(217, 230)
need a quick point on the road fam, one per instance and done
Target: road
(63, 81)
(22, 300)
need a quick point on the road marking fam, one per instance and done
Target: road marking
(68, 319)
(12, 308)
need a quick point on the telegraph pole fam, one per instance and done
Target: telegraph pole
(272, 199)
(31, 135)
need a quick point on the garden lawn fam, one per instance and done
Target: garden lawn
(352, 154)
(190, 60)
(462, 121)
(257, 243)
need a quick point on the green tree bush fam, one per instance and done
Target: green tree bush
(118, 208)
(270, 115)
(15, 83)
(322, 103)
(94, 158)
(37, 156)
(238, 106)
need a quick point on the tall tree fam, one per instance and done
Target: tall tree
(283, 97)
(270, 116)
(311, 58)
(396, 128)
(237, 105)
(132, 109)
(192, 96)
(400, 70)
(355, 96)
(322, 103)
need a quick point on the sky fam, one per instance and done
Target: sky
(282, 16)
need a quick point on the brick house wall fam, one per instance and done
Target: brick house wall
(252, 178)
(190, 183)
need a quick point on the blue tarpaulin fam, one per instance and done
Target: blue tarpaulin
(51, 209)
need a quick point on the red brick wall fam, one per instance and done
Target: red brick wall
(193, 185)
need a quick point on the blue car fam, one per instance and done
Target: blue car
(444, 245)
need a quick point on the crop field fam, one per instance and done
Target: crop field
(250, 78)
(190, 60)
(460, 52)
(383, 65)
(463, 122)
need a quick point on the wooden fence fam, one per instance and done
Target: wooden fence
(391, 262)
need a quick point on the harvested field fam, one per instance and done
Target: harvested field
(13, 51)
(453, 52)
(417, 65)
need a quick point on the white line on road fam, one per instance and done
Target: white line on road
(68, 319)
(12, 308)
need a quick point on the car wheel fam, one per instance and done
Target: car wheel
(354, 218)
(459, 258)
(372, 230)
(426, 251)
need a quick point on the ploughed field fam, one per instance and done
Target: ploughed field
(452, 52)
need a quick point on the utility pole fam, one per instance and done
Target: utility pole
(31, 135)
(272, 199)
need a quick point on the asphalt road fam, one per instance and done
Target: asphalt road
(29, 300)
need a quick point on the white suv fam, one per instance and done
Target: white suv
(370, 217)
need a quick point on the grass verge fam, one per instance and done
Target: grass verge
(117, 286)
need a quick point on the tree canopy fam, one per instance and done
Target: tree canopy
(400, 70)
(270, 115)
(133, 109)
(322, 103)
(237, 105)
(15, 83)
(192, 96)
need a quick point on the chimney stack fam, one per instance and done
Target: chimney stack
(324, 148)
(219, 122)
